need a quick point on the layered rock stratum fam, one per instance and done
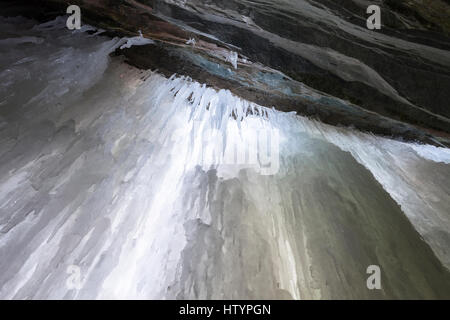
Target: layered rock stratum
(315, 57)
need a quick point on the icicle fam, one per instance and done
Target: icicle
(232, 58)
(136, 41)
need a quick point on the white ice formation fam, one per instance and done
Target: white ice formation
(120, 183)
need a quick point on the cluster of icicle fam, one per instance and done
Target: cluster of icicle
(419, 192)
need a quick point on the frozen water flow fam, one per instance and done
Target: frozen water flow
(136, 41)
(116, 187)
(232, 58)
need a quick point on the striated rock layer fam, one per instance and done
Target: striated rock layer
(315, 57)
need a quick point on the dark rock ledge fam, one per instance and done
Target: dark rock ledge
(313, 57)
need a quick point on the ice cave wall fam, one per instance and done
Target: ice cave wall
(102, 167)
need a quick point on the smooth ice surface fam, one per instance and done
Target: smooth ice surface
(163, 188)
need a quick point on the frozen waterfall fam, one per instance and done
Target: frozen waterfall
(161, 188)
